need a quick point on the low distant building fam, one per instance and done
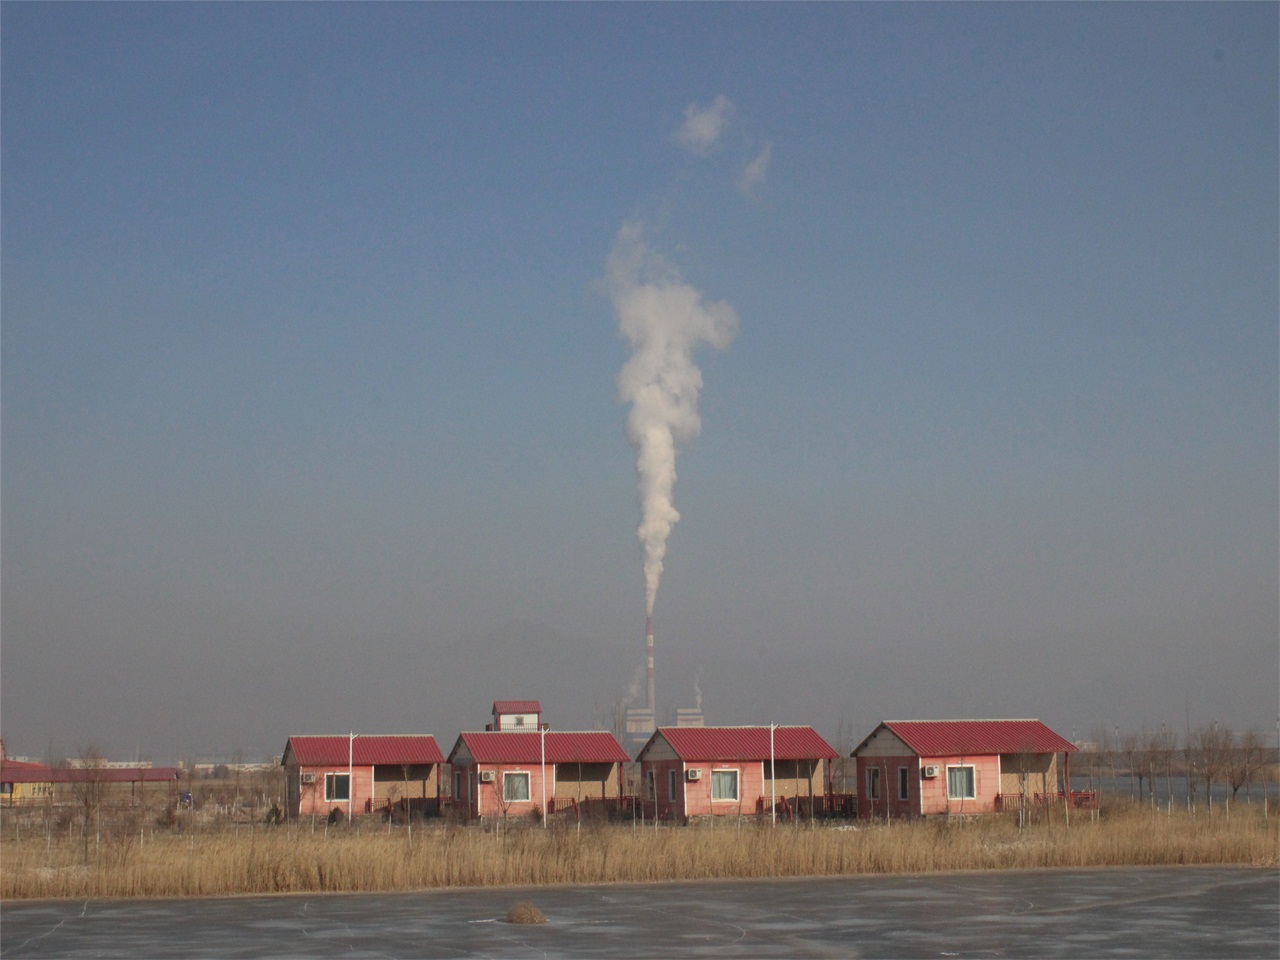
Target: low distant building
(734, 771)
(23, 782)
(27, 783)
(509, 773)
(690, 717)
(918, 768)
(361, 774)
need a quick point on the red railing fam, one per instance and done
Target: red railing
(1079, 799)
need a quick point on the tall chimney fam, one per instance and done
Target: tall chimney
(648, 645)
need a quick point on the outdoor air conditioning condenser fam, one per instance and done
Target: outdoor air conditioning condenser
(693, 774)
(929, 771)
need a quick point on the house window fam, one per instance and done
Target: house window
(724, 784)
(873, 783)
(961, 783)
(519, 721)
(515, 787)
(904, 781)
(457, 784)
(651, 790)
(671, 784)
(337, 786)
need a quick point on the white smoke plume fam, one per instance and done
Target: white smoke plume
(665, 320)
(636, 687)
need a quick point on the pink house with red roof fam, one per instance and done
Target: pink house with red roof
(733, 771)
(358, 774)
(918, 768)
(510, 773)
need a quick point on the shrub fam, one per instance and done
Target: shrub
(525, 913)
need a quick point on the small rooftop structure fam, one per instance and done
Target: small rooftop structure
(516, 715)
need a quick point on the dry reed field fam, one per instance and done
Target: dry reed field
(368, 857)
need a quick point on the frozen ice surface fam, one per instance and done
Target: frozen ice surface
(1164, 912)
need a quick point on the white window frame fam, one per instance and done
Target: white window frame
(331, 784)
(512, 777)
(873, 783)
(671, 784)
(904, 783)
(973, 782)
(651, 785)
(716, 780)
(457, 784)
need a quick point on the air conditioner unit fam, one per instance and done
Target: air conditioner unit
(307, 778)
(929, 772)
(486, 776)
(693, 774)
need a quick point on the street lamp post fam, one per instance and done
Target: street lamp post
(542, 752)
(351, 778)
(773, 781)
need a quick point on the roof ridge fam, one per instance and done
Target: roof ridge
(357, 736)
(976, 720)
(740, 726)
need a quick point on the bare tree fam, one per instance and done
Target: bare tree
(1105, 747)
(844, 769)
(88, 787)
(1209, 753)
(1151, 746)
(1023, 764)
(1091, 758)
(1132, 748)
(1243, 759)
(1166, 746)
(614, 719)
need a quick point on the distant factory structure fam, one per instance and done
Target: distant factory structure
(642, 722)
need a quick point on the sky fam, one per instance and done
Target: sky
(949, 335)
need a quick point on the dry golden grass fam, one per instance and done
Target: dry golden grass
(294, 859)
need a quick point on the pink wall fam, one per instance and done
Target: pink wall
(889, 805)
(486, 799)
(311, 795)
(926, 795)
(986, 785)
(669, 808)
(693, 797)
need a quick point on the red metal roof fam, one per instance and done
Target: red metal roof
(956, 738)
(365, 750)
(527, 747)
(704, 744)
(517, 706)
(13, 771)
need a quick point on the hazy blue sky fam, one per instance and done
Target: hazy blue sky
(311, 420)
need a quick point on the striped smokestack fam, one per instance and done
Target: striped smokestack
(648, 645)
